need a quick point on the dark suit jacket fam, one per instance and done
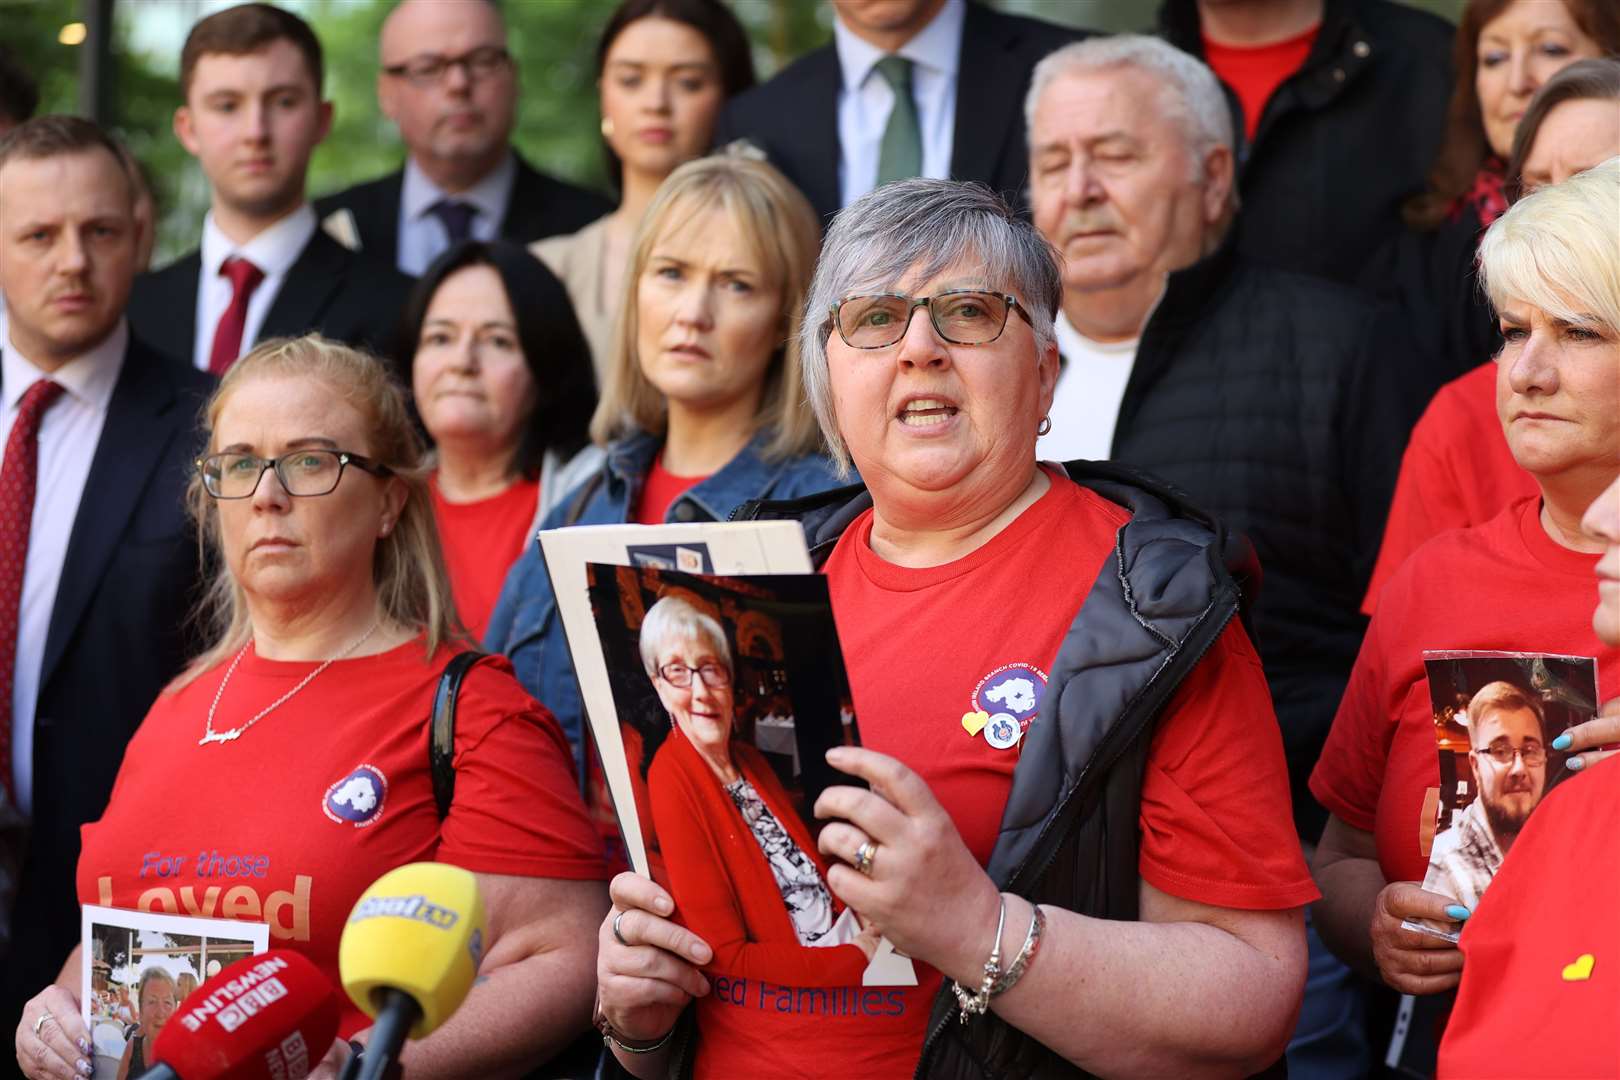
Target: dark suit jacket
(794, 116)
(116, 637)
(540, 206)
(348, 297)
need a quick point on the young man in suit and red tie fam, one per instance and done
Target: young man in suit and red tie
(97, 564)
(252, 117)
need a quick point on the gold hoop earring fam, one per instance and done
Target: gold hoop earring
(607, 127)
(1044, 427)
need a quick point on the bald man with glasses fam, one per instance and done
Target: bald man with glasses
(450, 85)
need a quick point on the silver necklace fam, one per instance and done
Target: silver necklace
(210, 735)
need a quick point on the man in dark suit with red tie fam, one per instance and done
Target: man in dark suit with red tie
(98, 563)
(252, 116)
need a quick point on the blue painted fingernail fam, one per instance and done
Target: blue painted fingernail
(1458, 912)
(1562, 742)
(1575, 764)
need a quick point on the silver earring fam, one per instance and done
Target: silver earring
(1044, 427)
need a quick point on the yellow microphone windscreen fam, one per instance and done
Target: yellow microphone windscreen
(418, 929)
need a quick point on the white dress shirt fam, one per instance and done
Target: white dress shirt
(273, 251)
(68, 434)
(423, 237)
(1090, 389)
(865, 99)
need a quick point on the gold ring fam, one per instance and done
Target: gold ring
(863, 857)
(41, 1022)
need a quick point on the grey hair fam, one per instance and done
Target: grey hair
(921, 227)
(1192, 94)
(1557, 249)
(673, 618)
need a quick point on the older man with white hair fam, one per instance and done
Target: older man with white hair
(1270, 397)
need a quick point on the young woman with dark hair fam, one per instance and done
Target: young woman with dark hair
(664, 69)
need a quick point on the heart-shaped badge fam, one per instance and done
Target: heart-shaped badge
(1581, 969)
(973, 722)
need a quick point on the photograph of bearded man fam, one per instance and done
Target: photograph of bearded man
(1508, 757)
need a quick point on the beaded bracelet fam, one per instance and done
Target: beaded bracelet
(1026, 953)
(976, 1003)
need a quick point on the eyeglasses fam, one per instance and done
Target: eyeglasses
(961, 317)
(1532, 753)
(301, 472)
(714, 676)
(427, 70)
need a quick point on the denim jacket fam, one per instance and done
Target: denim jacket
(525, 625)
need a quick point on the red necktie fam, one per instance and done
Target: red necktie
(17, 476)
(245, 277)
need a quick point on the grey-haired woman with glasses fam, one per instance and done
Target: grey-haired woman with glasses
(740, 862)
(288, 767)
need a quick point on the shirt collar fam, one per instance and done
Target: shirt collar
(88, 377)
(273, 250)
(937, 46)
(490, 195)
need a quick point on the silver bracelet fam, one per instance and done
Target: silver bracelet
(610, 1039)
(1031, 946)
(976, 1003)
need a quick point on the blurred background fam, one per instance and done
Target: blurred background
(118, 59)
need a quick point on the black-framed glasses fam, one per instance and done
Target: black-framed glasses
(714, 676)
(301, 472)
(1532, 753)
(427, 69)
(960, 316)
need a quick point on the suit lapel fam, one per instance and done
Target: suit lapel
(307, 290)
(818, 171)
(989, 90)
(172, 327)
(524, 204)
(377, 218)
(134, 440)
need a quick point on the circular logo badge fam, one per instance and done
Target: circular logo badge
(1014, 689)
(1003, 731)
(358, 798)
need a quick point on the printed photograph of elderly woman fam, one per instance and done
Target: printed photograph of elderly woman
(728, 692)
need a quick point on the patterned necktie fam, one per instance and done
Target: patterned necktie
(245, 277)
(456, 218)
(17, 481)
(900, 152)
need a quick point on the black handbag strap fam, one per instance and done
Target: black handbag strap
(442, 738)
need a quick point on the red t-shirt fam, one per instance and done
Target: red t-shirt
(1254, 73)
(1505, 585)
(290, 823)
(979, 634)
(1552, 902)
(1457, 472)
(481, 542)
(662, 489)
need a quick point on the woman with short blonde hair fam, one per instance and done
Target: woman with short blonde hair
(704, 403)
(311, 498)
(779, 228)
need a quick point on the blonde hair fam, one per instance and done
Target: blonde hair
(413, 588)
(1558, 249)
(780, 226)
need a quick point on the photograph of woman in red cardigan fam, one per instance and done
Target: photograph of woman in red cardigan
(742, 866)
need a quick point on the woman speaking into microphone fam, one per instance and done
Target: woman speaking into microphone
(289, 766)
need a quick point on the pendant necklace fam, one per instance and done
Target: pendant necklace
(210, 735)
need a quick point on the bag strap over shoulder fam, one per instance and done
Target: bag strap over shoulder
(442, 737)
